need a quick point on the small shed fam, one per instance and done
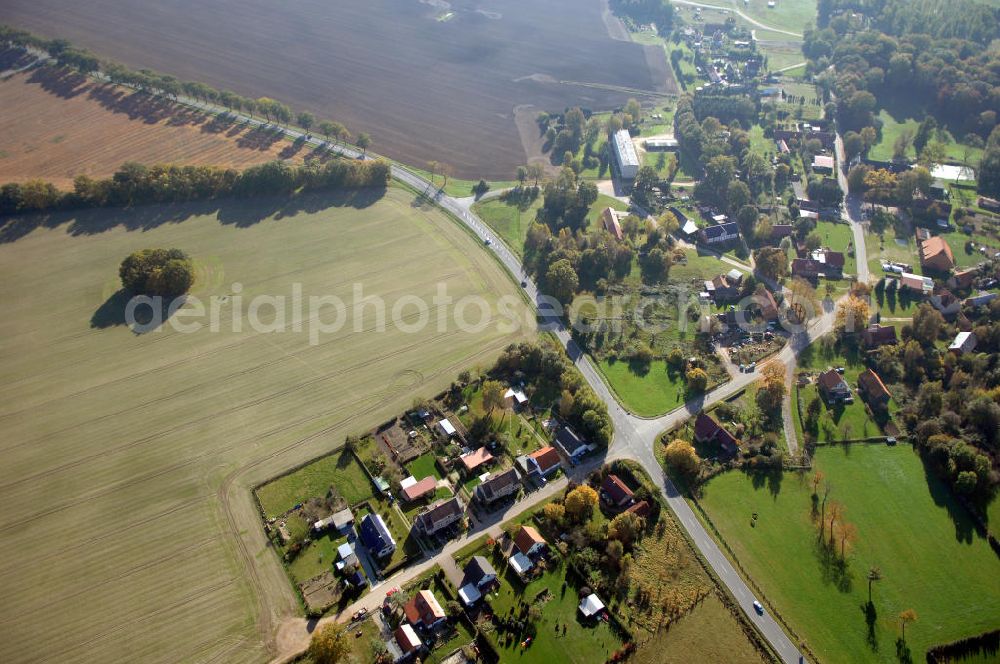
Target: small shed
(447, 428)
(591, 605)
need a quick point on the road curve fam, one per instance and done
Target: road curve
(751, 21)
(634, 437)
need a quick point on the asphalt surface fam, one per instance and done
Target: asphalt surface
(634, 437)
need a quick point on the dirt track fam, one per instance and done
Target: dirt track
(424, 88)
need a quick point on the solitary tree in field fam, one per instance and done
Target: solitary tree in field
(364, 142)
(330, 644)
(906, 617)
(306, 120)
(522, 174)
(446, 171)
(817, 479)
(848, 533)
(874, 574)
(433, 166)
(167, 272)
(492, 395)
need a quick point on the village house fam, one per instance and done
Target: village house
(720, 233)
(822, 164)
(945, 301)
(439, 516)
(872, 389)
(876, 335)
(831, 262)
(479, 575)
(806, 268)
(376, 536)
(407, 640)
(833, 387)
(708, 431)
(615, 492)
(768, 307)
(424, 610)
(413, 490)
(540, 463)
(725, 287)
(499, 486)
(528, 542)
(572, 445)
(475, 459)
(935, 254)
(514, 398)
(781, 231)
(965, 342)
(963, 279)
(640, 509)
(916, 283)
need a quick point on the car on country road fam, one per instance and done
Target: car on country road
(359, 614)
(487, 241)
(758, 608)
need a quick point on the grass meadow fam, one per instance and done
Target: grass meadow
(908, 525)
(129, 524)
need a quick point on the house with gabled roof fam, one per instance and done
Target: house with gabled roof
(876, 335)
(615, 491)
(572, 445)
(935, 254)
(439, 515)
(498, 486)
(832, 386)
(707, 430)
(872, 389)
(407, 640)
(375, 535)
(413, 490)
(471, 461)
(541, 463)
(424, 609)
(528, 541)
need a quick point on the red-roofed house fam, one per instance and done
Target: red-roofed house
(963, 279)
(476, 458)
(935, 254)
(424, 609)
(545, 460)
(611, 223)
(641, 508)
(833, 386)
(616, 492)
(707, 430)
(873, 389)
(528, 541)
(419, 489)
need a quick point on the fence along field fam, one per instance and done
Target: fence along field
(425, 89)
(58, 125)
(129, 529)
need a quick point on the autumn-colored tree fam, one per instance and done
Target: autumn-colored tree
(580, 502)
(874, 574)
(772, 262)
(772, 387)
(554, 512)
(625, 527)
(680, 455)
(803, 303)
(492, 395)
(852, 315)
(846, 533)
(817, 479)
(697, 379)
(836, 511)
(330, 644)
(905, 618)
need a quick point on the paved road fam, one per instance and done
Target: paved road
(746, 18)
(852, 213)
(634, 438)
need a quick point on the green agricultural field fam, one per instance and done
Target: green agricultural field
(907, 524)
(129, 459)
(340, 470)
(790, 15)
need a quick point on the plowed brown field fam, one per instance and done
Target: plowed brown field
(56, 127)
(428, 79)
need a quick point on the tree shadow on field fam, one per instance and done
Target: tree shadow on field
(871, 616)
(835, 570)
(62, 83)
(148, 315)
(769, 479)
(238, 212)
(965, 529)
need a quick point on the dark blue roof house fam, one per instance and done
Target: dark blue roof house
(376, 536)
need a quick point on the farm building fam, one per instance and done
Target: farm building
(439, 516)
(916, 283)
(609, 217)
(376, 536)
(965, 342)
(615, 492)
(720, 233)
(935, 254)
(945, 301)
(625, 155)
(979, 299)
(499, 486)
(963, 279)
(768, 307)
(661, 144)
(641, 508)
(831, 262)
(423, 609)
(413, 490)
(725, 287)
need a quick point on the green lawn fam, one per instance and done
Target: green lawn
(316, 558)
(893, 127)
(891, 248)
(646, 395)
(957, 240)
(599, 206)
(907, 524)
(424, 466)
(839, 421)
(838, 237)
(509, 220)
(340, 470)
(582, 644)
(791, 15)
